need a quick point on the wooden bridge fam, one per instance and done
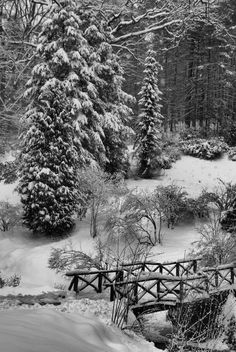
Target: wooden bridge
(151, 286)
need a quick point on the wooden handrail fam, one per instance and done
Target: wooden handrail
(80, 272)
(159, 277)
(159, 263)
(220, 267)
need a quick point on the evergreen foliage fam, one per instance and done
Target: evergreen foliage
(111, 102)
(48, 173)
(148, 140)
(77, 116)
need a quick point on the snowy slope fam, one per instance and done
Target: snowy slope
(76, 326)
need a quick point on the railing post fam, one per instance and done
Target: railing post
(161, 269)
(232, 275)
(158, 288)
(99, 283)
(216, 279)
(194, 265)
(76, 282)
(177, 269)
(181, 291)
(135, 291)
(207, 284)
(112, 293)
(119, 276)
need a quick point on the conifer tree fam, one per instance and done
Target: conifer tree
(77, 102)
(51, 146)
(111, 102)
(148, 138)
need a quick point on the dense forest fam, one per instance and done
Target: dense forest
(194, 42)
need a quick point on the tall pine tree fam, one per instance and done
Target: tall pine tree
(148, 139)
(77, 103)
(111, 102)
(51, 146)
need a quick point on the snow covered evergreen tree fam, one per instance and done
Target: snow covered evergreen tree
(77, 102)
(52, 140)
(111, 102)
(148, 139)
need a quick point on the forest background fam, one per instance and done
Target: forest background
(194, 42)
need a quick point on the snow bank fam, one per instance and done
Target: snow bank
(193, 175)
(77, 326)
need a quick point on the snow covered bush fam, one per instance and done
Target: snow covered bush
(11, 281)
(148, 143)
(9, 171)
(10, 215)
(232, 153)
(170, 154)
(68, 258)
(204, 149)
(215, 246)
(172, 201)
(224, 200)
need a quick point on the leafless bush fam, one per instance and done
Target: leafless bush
(215, 246)
(10, 215)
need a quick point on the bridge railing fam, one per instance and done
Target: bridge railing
(156, 287)
(221, 276)
(177, 268)
(97, 279)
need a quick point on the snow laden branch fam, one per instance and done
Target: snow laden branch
(145, 31)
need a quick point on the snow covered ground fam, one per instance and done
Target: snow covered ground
(50, 329)
(193, 175)
(27, 256)
(75, 326)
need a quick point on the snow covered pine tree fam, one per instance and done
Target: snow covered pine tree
(111, 102)
(148, 139)
(49, 156)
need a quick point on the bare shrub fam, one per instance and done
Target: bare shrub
(66, 258)
(101, 190)
(10, 215)
(11, 281)
(215, 246)
(172, 202)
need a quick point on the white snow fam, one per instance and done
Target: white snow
(82, 326)
(50, 330)
(23, 255)
(193, 175)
